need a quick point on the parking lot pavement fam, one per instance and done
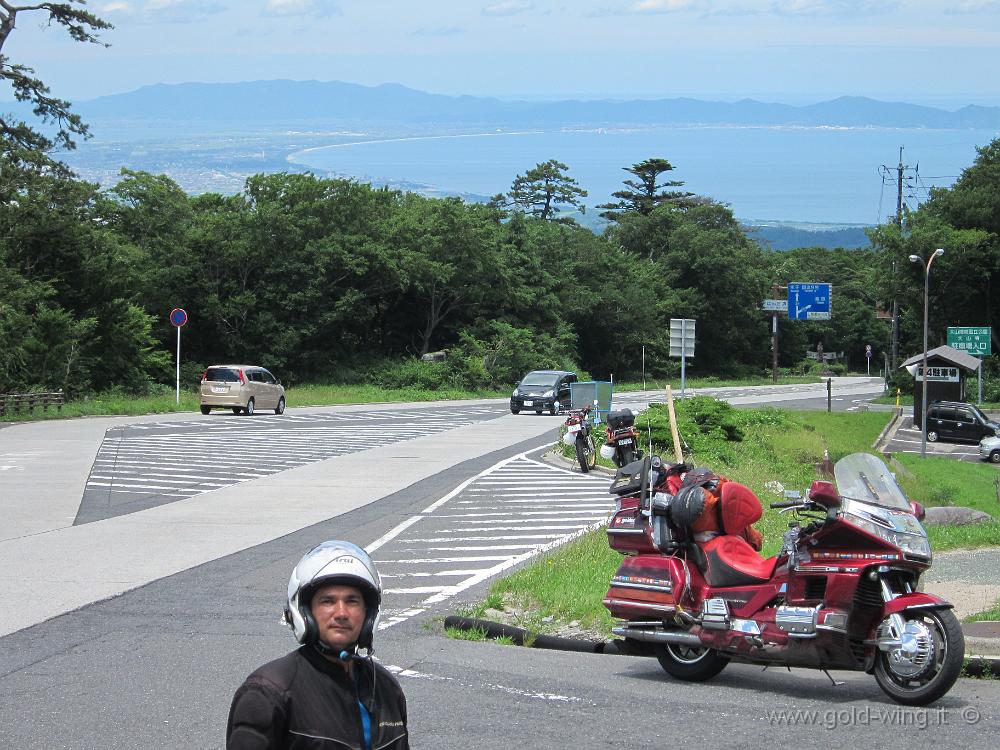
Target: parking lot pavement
(906, 439)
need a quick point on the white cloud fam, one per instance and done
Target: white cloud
(182, 11)
(662, 6)
(116, 8)
(974, 6)
(832, 7)
(507, 8)
(302, 8)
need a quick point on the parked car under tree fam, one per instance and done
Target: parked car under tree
(542, 390)
(242, 388)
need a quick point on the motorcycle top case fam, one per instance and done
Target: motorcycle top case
(629, 478)
(620, 419)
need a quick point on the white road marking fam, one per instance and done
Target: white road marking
(415, 675)
(582, 503)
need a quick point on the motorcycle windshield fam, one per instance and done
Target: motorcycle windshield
(864, 477)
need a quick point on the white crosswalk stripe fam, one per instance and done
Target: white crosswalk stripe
(482, 529)
(139, 466)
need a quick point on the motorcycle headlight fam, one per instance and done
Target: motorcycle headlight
(913, 544)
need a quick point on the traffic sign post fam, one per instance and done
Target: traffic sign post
(682, 343)
(809, 301)
(178, 317)
(974, 340)
(868, 357)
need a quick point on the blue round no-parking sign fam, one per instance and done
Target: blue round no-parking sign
(178, 317)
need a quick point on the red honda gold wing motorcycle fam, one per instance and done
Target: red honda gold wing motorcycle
(841, 594)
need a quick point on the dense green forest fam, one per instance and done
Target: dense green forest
(335, 281)
(332, 280)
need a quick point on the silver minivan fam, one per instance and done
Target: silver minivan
(242, 388)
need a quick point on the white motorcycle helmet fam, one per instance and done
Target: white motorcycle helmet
(332, 562)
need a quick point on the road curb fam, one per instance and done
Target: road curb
(522, 637)
(888, 431)
(975, 666)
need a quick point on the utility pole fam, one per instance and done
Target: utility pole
(900, 170)
(775, 291)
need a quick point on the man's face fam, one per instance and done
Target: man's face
(339, 612)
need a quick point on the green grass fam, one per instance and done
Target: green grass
(115, 404)
(569, 583)
(992, 614)
(945, 482)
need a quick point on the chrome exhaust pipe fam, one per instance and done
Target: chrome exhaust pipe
(658, 636)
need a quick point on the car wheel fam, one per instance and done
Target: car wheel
(206, 409)
(514, 410)
(237, 410)
(995, 457)
(280, 408)
(249, 410)
(538, 411)
(932, 437)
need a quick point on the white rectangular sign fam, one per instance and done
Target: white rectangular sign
(681, 337)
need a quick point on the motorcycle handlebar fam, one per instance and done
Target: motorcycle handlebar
(787, 504)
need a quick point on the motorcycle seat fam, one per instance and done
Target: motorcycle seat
(731, 561)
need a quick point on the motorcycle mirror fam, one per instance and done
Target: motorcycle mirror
(825, 494)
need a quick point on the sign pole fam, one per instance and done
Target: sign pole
(774, 347)
(178, 317)
(178, 364)
(683, 352)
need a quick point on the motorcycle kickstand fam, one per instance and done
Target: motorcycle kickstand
(830, 677)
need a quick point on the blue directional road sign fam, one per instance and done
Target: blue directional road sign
(808, 301)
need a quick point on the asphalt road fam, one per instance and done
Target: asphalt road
(156, 666)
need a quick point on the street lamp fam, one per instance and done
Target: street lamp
(923, 370)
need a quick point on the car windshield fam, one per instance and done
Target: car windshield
(863, 477)
(979, 413)
(222, 375)
(536, 379)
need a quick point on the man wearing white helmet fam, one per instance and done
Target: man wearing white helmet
(326, 693)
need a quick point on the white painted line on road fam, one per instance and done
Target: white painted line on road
(511, 562)
(413, 674)
(434, 574)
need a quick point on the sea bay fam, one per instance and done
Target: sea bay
(822, 175)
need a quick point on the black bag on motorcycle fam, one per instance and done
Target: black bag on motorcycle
(620, 419)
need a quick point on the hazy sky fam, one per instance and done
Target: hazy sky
(940, 52)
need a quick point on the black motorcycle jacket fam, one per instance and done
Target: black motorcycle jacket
(303, 701)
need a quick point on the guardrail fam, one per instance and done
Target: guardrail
(29, 401)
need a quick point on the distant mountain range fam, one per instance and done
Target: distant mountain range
(281, 100)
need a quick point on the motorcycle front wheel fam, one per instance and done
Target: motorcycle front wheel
(927, 663)
(688, 663)
(586, 453)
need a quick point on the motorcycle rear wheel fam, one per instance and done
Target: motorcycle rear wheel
(690, 664)
(628, 455)
(586, 453)
(938, 677)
